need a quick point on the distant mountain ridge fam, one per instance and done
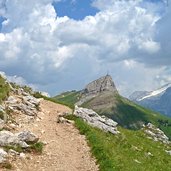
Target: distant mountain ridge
(158, 100)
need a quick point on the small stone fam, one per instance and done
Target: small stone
(22, 155)
(149, 154)
(13, 125)
(2, 124)
(3, 155)
(168, 152)
(137, 161)
(42, 131)
(13, 152)
(38, 120)
(45, 143)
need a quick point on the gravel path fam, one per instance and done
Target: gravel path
(66, 149)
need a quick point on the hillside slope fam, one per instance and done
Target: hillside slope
(127, 151)
(118, 108)
(68, 98)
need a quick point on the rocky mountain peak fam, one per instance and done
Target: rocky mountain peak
(102, 84)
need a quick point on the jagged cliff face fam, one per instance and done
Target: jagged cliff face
(100, 85)
(103, 87)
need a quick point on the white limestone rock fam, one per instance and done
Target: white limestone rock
(2, 124)
(3, 156)
(27, 136)
(9, 139)
(95, 120)
(168, 152)
(156, 134)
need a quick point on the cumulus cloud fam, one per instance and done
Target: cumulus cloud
(58, 53)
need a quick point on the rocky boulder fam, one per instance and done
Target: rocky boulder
(3, 156)
(26, 104)
(9, 139)
(27, 136)
(95, 120)
(156, 134)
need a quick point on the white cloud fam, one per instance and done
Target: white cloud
(44, 48)
(2, 37)
(150, 46)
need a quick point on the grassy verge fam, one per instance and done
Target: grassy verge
(55, 100)
(36, 148)
(128, 151)
(4, 89)
(68, 98)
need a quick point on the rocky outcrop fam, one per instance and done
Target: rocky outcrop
(21, 139)
(93, 119)
(102, 84)
(9, 139)
(156, 134)
(26, 104)
(93, 89)
(27, 136)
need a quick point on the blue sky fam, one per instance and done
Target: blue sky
(58, 46)
(75, 9)
(79, 9)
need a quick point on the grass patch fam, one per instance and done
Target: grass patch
(127, 151)
(68, 98)
(36, 148)
(1, 115)
(6, 165)
(4, 89)
(16, 148)
(39, 95)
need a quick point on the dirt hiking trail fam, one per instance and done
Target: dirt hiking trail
(66, 149)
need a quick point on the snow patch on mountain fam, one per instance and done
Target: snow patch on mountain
(157, 92)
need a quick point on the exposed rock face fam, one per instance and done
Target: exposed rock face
(156, 134)
(9, 139)
(102, 84)
(93, 119)
(18, 109)
(27, 104)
